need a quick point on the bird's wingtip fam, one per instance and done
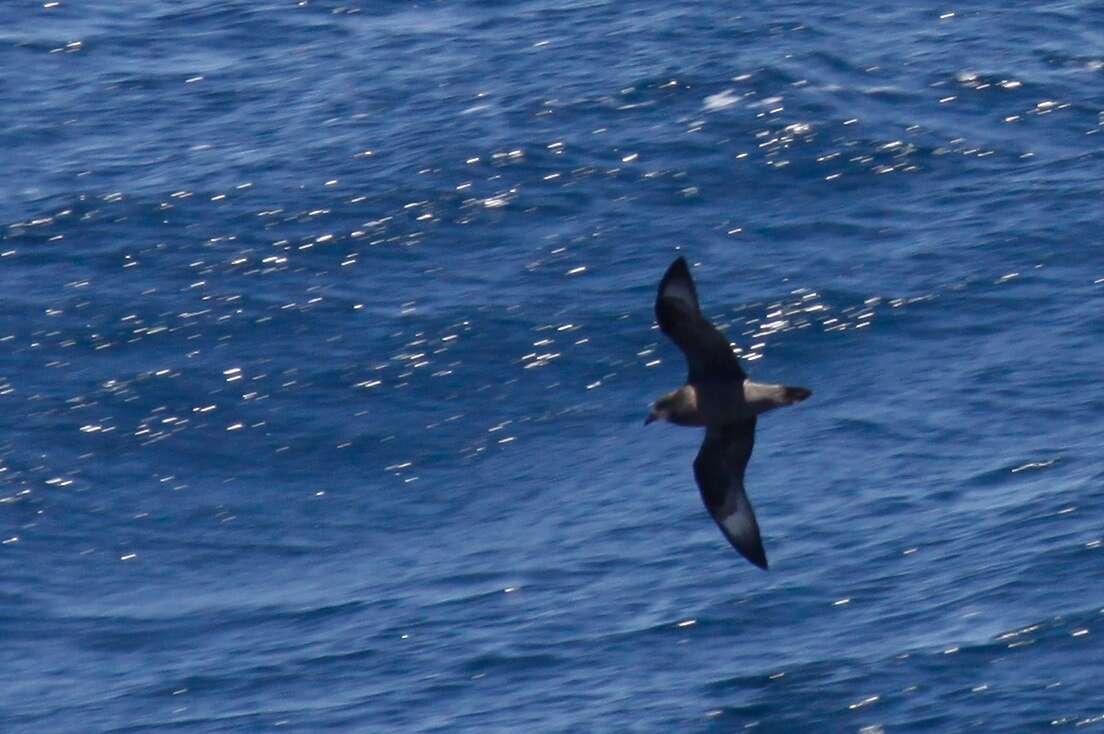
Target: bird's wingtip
(758, 558)
(679, 263)
(677, 285)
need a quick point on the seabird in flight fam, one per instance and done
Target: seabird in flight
(719, 396)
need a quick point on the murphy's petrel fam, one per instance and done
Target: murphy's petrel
(719, 396)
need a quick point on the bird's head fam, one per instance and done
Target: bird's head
(664, 407)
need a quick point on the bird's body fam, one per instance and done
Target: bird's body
(718, 396)
(720, 402)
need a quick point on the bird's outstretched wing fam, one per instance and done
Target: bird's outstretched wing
(719, 471)
(708, 353)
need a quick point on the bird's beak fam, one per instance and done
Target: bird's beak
(651, 418)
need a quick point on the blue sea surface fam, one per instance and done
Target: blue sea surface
(326, 339)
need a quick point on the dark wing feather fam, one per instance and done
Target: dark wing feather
(719, 471)
(708, 353)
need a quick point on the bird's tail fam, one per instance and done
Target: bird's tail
(796, 394)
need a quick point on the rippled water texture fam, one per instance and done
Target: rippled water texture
(326, 340)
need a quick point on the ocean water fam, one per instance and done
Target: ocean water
(326, 339)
